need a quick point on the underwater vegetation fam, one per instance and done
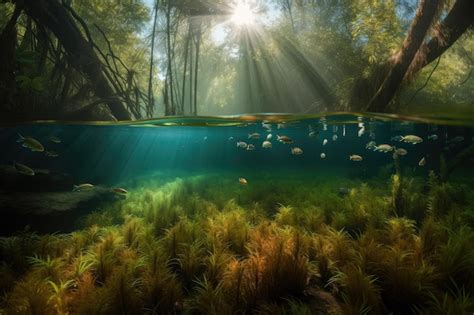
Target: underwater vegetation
(207, 245)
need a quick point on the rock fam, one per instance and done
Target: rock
(42, 181)
(48, 212)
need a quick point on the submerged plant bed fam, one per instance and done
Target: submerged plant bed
(206, 245)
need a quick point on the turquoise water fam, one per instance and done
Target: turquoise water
(114, 154)
(323, 219)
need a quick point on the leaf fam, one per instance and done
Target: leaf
(26, 57)
(37, 84)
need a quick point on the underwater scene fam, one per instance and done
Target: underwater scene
(271, 214)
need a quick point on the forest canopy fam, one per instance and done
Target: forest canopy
(135, 59)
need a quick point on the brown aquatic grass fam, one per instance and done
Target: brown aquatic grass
(206, 246)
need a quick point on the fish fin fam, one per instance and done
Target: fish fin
(75, 187)
(20, 138)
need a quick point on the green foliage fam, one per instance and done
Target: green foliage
(248, 257)
(358, 291)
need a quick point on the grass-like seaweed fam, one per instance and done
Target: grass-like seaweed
(204, 245)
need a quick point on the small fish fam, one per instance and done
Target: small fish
(280, 126)
(325, 141)
(312, 134)
(54, 139)
(242, 181)
(250, 147)
(361, 131)
(372, 135)
(30, 143)
(422, 162)
(296, 151)
(267, 126)
(383, 148)
(83, 187)
(284, 139)
(119, 191)
(254, 136)
(266, 145)
(325, 127)
(334, 138)
(401, 152)
(52, 154)
(433, 137)
(343, 130)
(241, 144)
(269, 137)
(411, 139)
(371, 145)
(323, 155)
(230, 138)
(355, 158)
(23, 169)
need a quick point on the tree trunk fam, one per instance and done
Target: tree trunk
(191, 70)
(196, 69)
(170, 69)
(418, 30)
(8, 39)
(186, 51)
(54, 16)
(456, 23)
(150, 78)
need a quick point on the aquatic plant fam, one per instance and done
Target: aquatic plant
(30, 296)
(7, 278)
(191, 263)
(456, 301)
(46, 268)
(208, 298)
(298, 307)
(359, 292)
(215, 265)
(161, 292)
(285, 216)
(210, 253)
(130, 232)
(229, 229)
(60, 297)
(405, 282)
(121, 294)
(81, 265)
(455, 259)
(103, 256)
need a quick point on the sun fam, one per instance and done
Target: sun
(243, 14)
